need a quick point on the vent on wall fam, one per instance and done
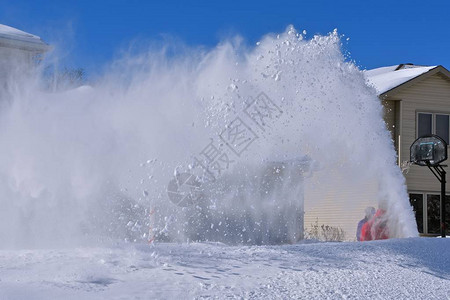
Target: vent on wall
(408, 66)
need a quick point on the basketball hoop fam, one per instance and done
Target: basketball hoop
(430, 151)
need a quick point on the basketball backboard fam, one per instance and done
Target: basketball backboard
(428, 150)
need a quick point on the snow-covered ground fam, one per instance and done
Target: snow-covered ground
(416, 268)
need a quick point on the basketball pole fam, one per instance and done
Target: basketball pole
(430, 150)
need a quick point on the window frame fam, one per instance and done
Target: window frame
(425, 207)
(424, 210)
(433, 122)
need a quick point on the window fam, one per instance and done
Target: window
(433, 123)
(433, 213)
(424, 126)
(416, 201)
(428, 213)
(447, 214)
(442, 128)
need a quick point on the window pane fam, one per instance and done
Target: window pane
(434, 213)
(416, 201)
(424, 124)
(447, 214)
(442, 127)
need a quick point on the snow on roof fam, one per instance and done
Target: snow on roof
(15, 38)
(387, 78)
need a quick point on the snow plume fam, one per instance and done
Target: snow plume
(93, 164)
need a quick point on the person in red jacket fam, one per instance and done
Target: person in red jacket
(376, 228)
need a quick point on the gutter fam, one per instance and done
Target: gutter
(37, 46)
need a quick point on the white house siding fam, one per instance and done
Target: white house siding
(13, 59)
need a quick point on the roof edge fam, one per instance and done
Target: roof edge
(40, 47)
(431, 72)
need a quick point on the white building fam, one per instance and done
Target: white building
(19, 45)
(19, 52)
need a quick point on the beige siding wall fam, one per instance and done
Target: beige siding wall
(429, 95)
(392, 117)
(389, 116)
(333, 199)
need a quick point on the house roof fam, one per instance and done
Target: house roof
(14, 38)
(389, 80)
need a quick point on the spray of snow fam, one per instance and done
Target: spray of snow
(92, 164)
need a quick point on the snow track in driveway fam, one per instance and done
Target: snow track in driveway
(416, 268)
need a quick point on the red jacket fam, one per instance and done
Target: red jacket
(376, 228)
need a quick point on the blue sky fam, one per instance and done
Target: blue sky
(90, 33)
